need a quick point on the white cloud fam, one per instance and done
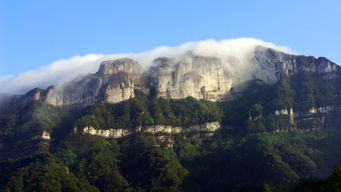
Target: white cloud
(65, 70)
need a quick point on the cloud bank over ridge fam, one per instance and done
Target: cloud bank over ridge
(233, 52)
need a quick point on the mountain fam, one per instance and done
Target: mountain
(186, 123)
(188, 75)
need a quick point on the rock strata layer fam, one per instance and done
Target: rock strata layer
(210, 127)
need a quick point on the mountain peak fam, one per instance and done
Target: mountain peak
(110, 67)
(195, 75)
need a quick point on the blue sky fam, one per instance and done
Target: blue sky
(34, 33)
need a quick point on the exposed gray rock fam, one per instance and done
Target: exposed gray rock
(192, 75)
(210, 127)
(320, 118)
(196, 76)
(44, 136)
(272, 65)
(114, 82)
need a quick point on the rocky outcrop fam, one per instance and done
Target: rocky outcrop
(196, 76)
(114, 82)
(120, 78)
(201, 77)
(206, 127)
(320, 118)
(110, 133)
(271, 65)
(210, 127)
(44, 136)
(326, 109)
(31, 96)
(289, 112)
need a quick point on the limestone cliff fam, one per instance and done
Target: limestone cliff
(271, 65)
(209, 127)
(164, 134)
(321, 118)
(196, 76)
(115, 81)
(201, 77)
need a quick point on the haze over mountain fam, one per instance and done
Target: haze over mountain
(151, 96)
(230, 115)
(234, 54)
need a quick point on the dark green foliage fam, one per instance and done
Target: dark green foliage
(332, 183)
(255, 126)
(142, 111)
(247, 154)
(188, 151)
(236, 112)
(259, 161)
(270, 187)
(254, 162)
(44, 173)
(95, 160)
(313, 90)
(243, 166)
(30, 118)
(22, 123)
(255, 109)
(278, 122)
(152, 168)
(284, 95)
(191, 111)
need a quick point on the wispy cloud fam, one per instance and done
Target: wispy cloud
(64, 70)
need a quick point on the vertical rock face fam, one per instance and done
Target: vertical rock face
(33, 95)
(272, 65)
(114, 82)
(120, 78)
(196, 76)
(315, 118)
(201, 77)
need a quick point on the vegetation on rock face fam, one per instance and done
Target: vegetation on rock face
(247, 154)
(255, 109)
(144, 111)
(22, 126)
(227, 162)
(25, 119)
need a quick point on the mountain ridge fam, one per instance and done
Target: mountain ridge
(188, 121)
(192, 75)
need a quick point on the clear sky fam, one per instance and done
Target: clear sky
(34, 33)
